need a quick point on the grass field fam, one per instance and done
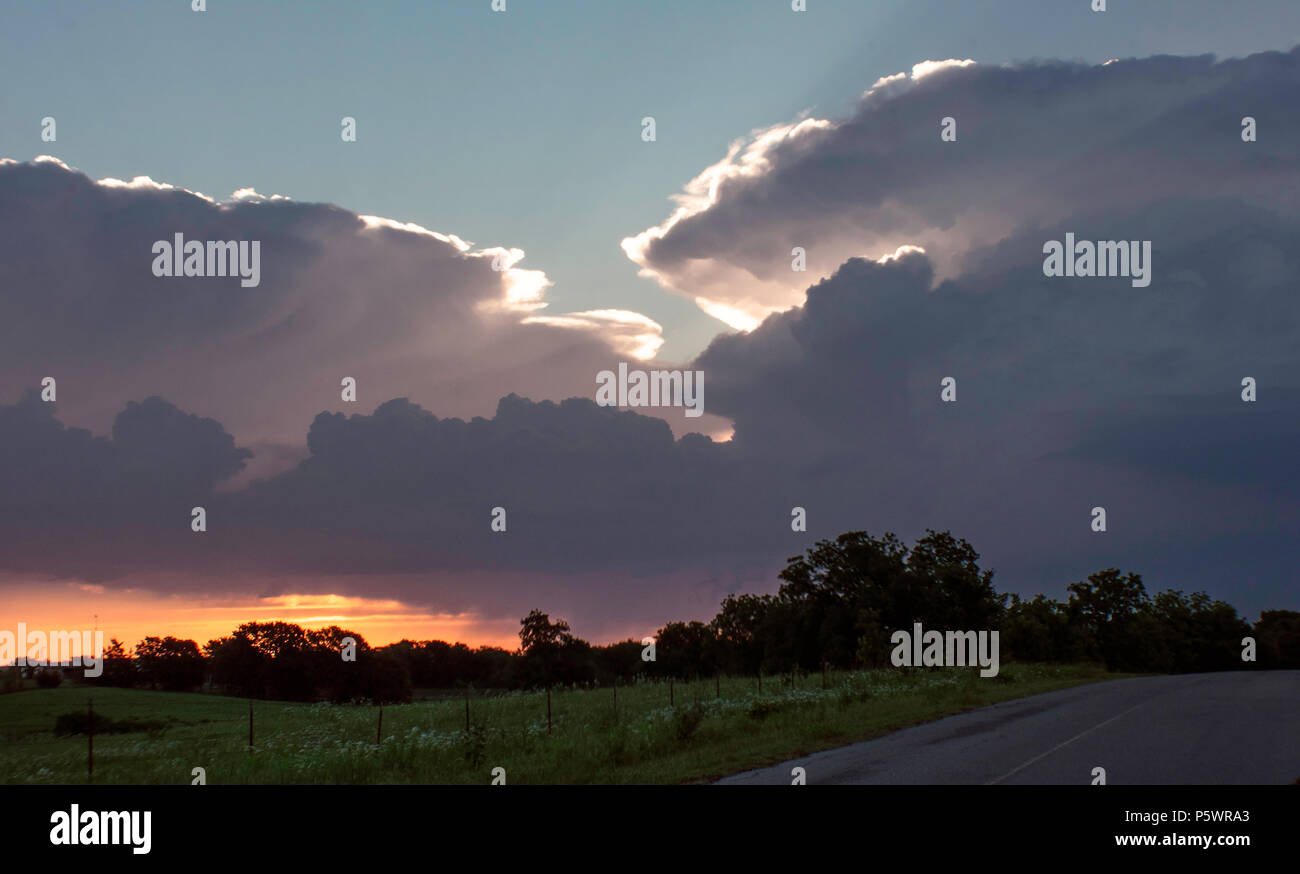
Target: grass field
(648, 741)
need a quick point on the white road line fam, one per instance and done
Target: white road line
(1063, 743)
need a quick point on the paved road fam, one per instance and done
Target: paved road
(1240, 727)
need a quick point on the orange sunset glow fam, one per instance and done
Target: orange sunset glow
(133, 614)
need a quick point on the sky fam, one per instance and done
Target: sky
(519, 133)
(522, 128)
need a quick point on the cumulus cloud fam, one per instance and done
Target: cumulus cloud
(630, 333)
(404, 310)
(1036, 142)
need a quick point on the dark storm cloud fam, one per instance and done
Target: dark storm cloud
(1071, 394)
(602, 507)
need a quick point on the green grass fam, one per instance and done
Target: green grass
(426, 742)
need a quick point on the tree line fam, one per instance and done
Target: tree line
(836, 607)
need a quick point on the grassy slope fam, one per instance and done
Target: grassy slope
(426, 742)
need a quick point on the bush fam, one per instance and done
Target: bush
(620, 748)
(853, 695)
(474, 746)
(11, 679)
(686, 720)
(48, 678)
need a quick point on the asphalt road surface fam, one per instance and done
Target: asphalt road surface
(1240, 727)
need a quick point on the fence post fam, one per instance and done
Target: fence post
(90, 739)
